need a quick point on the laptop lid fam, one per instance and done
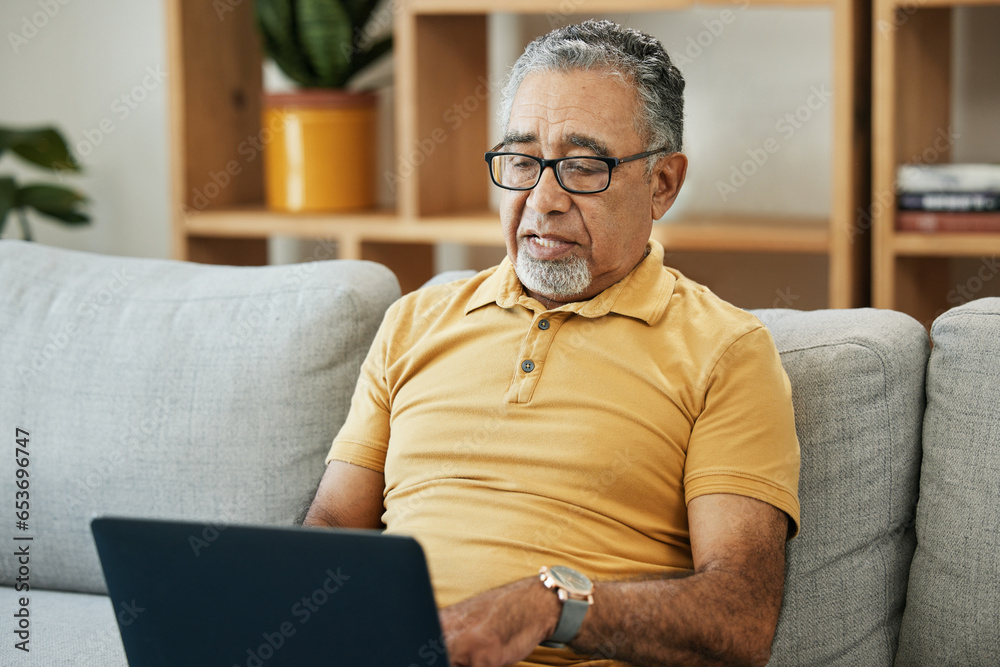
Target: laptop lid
(251, 596)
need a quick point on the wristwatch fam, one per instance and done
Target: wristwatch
(576, 592)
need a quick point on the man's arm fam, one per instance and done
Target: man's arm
(348, 496)
(725, 612)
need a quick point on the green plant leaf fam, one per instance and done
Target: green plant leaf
(319, 43)
(360, 11)
(325, 34)
(54, 201)
(43, 146)
(276, 21)
(377, 50)
(8, 199)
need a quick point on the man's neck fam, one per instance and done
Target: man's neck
(550, 304)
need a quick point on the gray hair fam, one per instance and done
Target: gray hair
(638, 58)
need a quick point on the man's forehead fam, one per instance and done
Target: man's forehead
(588, 109)
(595, 144)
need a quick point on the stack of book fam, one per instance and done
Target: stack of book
(948, 198)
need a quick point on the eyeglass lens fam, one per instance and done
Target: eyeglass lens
(583, 174)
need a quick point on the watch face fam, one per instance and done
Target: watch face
(572, 580)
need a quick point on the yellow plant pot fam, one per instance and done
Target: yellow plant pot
(321, 153)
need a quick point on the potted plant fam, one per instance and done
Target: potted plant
(321, 156)
(45, 148)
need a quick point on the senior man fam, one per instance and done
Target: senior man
(580, 408)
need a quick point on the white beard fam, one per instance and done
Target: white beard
(553, 279)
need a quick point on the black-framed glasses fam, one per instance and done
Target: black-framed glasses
(577, 174)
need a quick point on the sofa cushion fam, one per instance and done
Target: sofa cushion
(953, 604)
(67, 630)
(857, 381)
(173, 390)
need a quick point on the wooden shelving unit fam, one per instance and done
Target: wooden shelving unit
(912, 45)
(441, 56)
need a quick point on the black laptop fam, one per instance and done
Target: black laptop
(251, 596)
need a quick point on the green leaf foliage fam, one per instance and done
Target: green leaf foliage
(43, 147)
(46, 148)
(325, 35)
(8, 198)
(54, 201)
(318, 43)
(276, 22)
(377, 50)
(360, 11)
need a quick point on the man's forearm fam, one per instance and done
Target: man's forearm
(725, 613)
(710, 618)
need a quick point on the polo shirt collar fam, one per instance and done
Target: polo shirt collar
(642, 294)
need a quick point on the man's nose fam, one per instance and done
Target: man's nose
(548, 196)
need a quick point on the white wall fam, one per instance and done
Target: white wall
(83, 65)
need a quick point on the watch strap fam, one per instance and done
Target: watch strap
(570, 620)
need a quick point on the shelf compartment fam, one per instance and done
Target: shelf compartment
(915, 272)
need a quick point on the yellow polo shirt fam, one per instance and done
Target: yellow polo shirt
(512, 436)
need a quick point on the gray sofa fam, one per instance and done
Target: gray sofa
(163, 389)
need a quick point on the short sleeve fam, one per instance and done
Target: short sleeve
(744, 440)
(364, 437)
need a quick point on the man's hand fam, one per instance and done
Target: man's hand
(501, 626)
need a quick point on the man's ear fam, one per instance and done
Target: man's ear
(666, 181)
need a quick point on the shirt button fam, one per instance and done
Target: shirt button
(527, 365)
(543, 324)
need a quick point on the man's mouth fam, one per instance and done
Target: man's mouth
(548, 243)
(548, 247)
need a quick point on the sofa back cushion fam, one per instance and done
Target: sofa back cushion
(857, 381)
(953, 603)
(173, 390)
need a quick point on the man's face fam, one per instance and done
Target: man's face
(565, 246)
